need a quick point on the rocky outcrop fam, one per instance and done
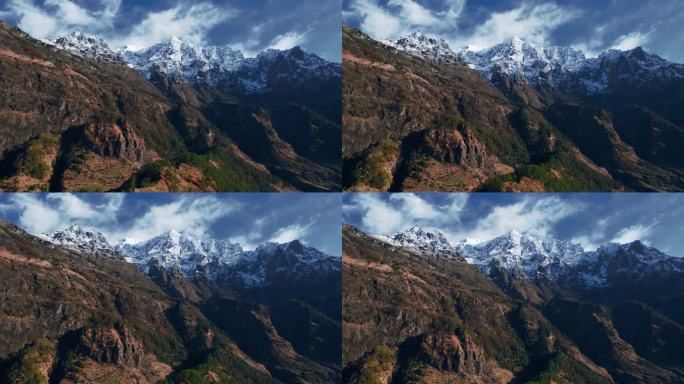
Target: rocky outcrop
(112, 345)
(456, 353)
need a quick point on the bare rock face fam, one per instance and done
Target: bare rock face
(456, 147)
(113, 345)
(113, 140)
(453, 352)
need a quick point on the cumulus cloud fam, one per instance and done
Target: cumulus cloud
(58, 17)
(378, 217)
(290, 233)
(530, 21)
(34, 215)
(634, 233)
(289, 40)
(33, 19)
(631, 41)
(192, 22)
(188, 214)
(196, 215)
(57, 210)
(533, 215)
(403, 16)
(70, 13)
(402, 210)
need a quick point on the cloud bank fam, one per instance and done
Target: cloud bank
(592, 26)
(247, 219)
(591, 220)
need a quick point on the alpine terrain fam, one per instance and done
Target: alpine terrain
(421, 116)
(75, 308)
(515, 309)
(77, 116)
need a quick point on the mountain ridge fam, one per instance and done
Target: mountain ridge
(533, 124)
(533, 259)
(194, 258)
(80, 116)
(117, 321)
(422, 318)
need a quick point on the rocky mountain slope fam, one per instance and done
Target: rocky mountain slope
(76, 117)
(81, 314)
(419, 116)
(495, 318)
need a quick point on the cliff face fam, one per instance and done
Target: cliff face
(72, 123)
(405, 113)
(75, 316)
(414, 316)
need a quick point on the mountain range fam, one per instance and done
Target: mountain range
(176, 116)
(171, 309)
(421, 116)
(513, 309)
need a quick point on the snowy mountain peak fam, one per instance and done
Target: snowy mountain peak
(524, 255)
(180, 253)
(517, 56)
(422, 45)
(80, 239)
(86, 46)
(176, 55)
(422, 242)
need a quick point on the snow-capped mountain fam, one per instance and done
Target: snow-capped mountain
(425, 243)
(422, 45)
(624, 70)
(86, 46)
(218, 260)
(82, 240)
(175, 250)
(221, 66)
(561, 67)
(534, 259)
(271, 263)
(624, 264)
(179, 56)
(273, 69)
(537, 64)
(523, 255)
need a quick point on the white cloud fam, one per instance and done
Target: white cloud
(188, 214)
(34, 215)
(414, 206)
(192, 22)
(375, 20)
(634, 233)
(290, 233)
(402, 210)
(73, 207)
(32, 19)
(532, 22)
(378, 217)
(414, 13)
(631, 41)
(70, 13)
(532, 215)
(58, 17)
(289, 40)
(403, 16)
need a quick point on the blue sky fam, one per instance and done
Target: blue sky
(251, 25)
(590, 219)
(246, 218)
(591, 25)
